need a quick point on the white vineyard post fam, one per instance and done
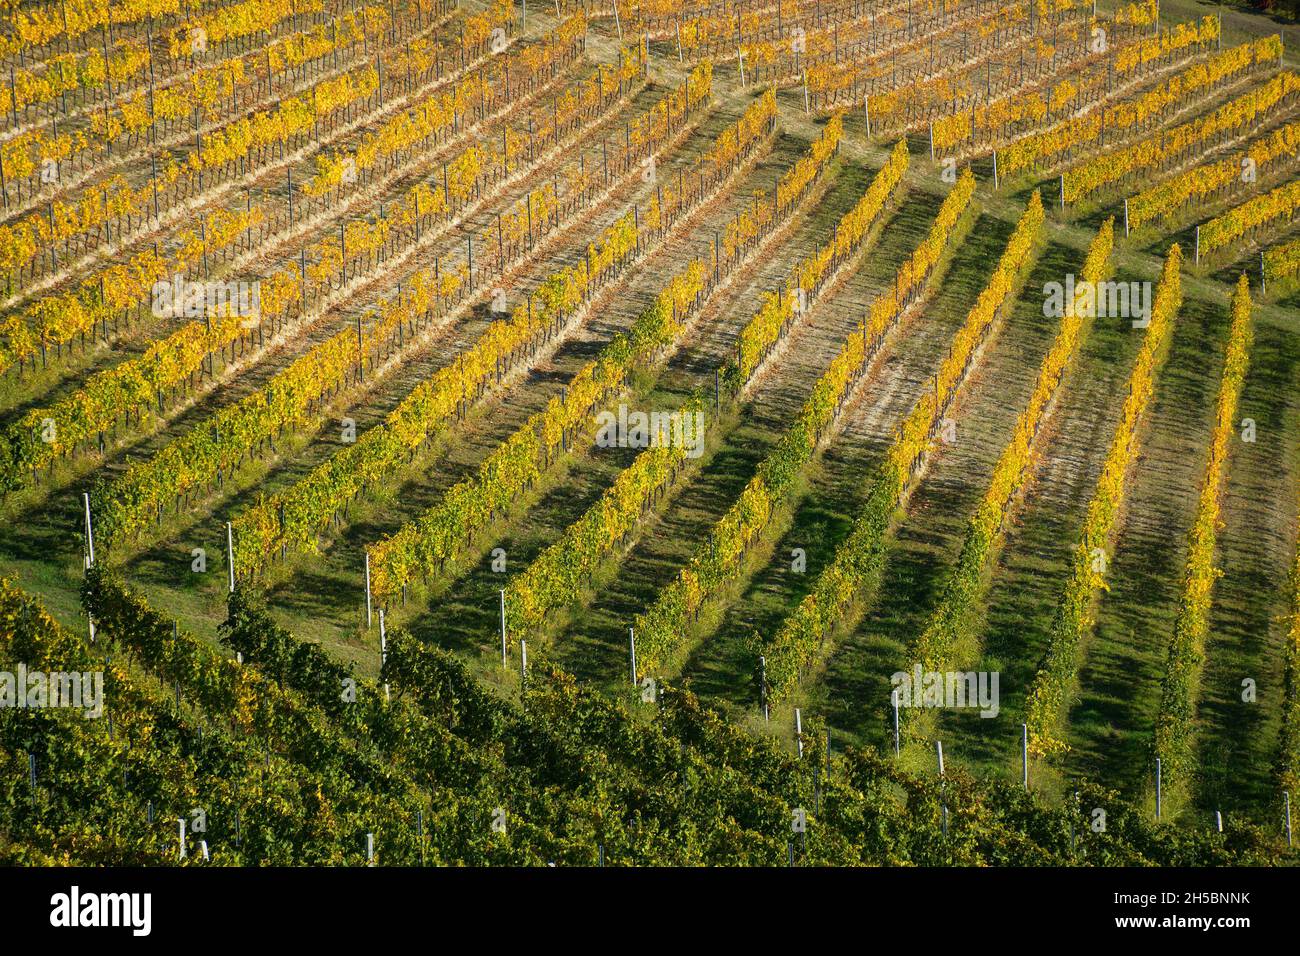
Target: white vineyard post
(523, 666)
(368, 603)
(90, 533)
(1198, 245)
(631, 640)
(866, 112)
(678, 25)
(370, 849)
(1218, 820)
(1062, 192)
(1126, 218)
(798, 730)
(90, 559)
(1263, 279)
(1157, 788)
(1024, 755)
(383, 650)
(502, 592)
(938, 749)
(995, 164)
(931, 142)
(230, 556)
(180, 822)
(618, 22)
(1287, 795)
(203, 850)
(90, 618)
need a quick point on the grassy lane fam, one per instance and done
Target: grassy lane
(1255, 550)
(927, 541)
(718, 668)
(1111, 723)
(1034, 559)
(843, 473)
